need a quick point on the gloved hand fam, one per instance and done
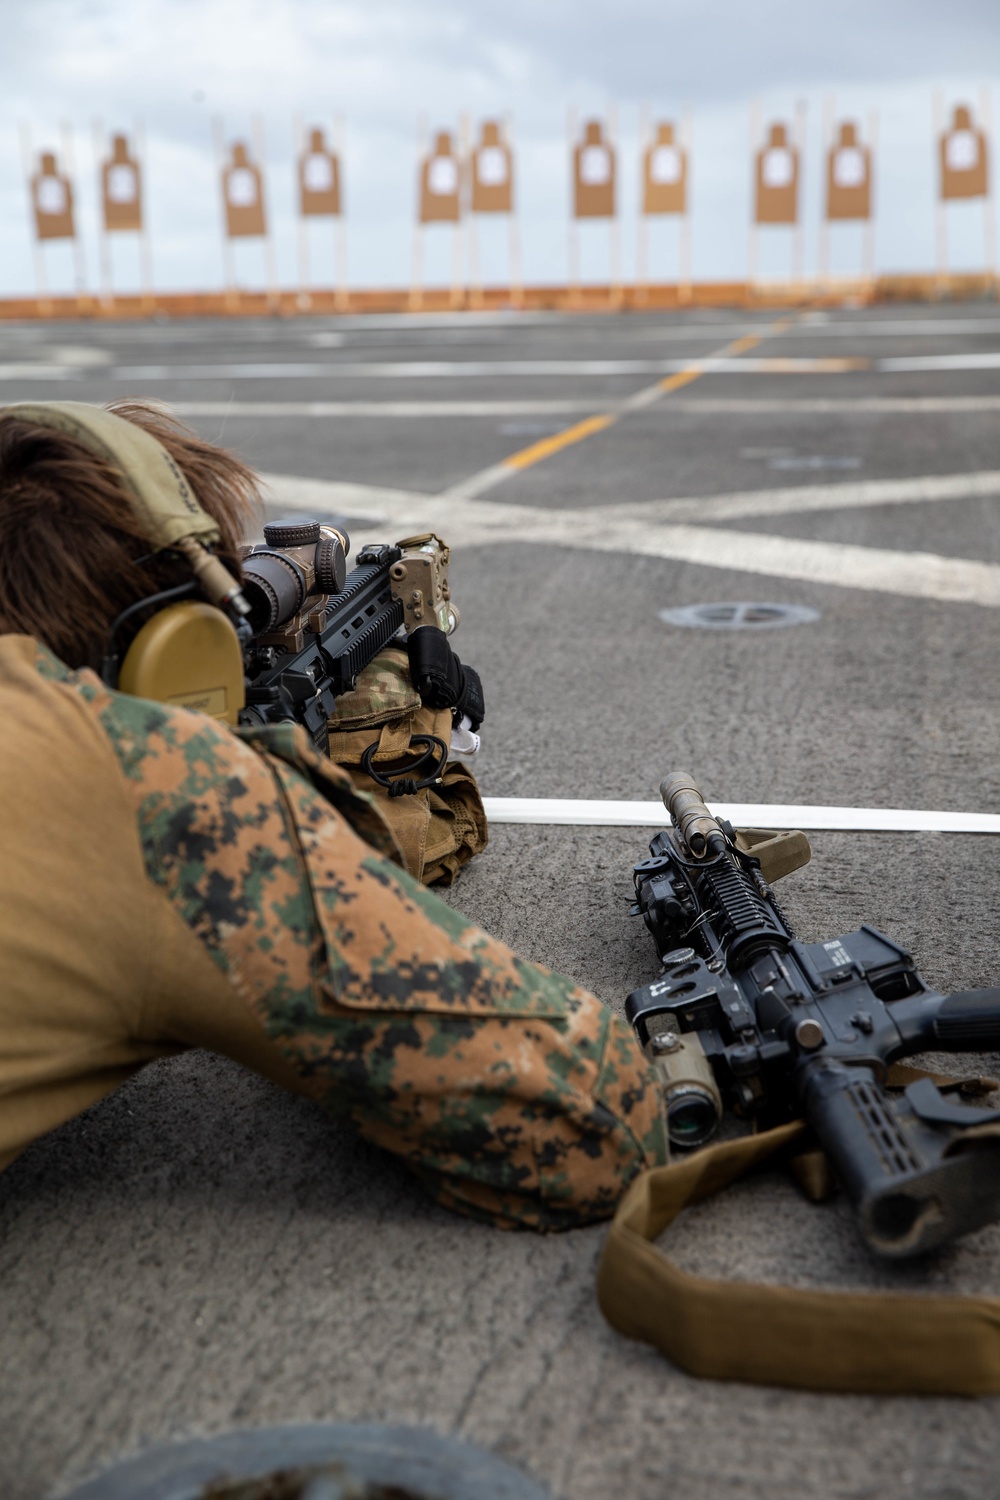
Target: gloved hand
(440, 678)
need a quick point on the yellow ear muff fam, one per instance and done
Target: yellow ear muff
(187, 654)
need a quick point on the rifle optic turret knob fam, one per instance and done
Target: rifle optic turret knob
(292, 531)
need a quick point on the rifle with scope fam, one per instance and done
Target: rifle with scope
(315, 626)
(784, 1029)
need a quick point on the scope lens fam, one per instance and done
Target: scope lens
(692, 1116)
(274, 587)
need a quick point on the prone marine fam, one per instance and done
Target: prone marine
(172, 883)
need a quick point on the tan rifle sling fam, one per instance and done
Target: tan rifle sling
(776, 1335)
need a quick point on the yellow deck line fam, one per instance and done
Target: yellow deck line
(537, 452)
(545, 447)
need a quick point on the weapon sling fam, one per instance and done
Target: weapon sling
(776, 1335)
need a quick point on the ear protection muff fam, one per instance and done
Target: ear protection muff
(188, 653)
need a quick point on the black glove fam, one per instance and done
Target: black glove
(440, 678)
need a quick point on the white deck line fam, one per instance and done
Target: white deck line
(917, 575)
(467, 369)
(610, 814)
(383, 408)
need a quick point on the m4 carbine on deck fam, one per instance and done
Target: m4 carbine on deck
(784, 1029)
(316, 626)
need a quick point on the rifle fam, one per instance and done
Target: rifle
(783, 1029)
(315, 626)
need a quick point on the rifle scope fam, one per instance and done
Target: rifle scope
(301, 558)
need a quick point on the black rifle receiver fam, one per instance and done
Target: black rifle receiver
(315, 626)
(792, 1029)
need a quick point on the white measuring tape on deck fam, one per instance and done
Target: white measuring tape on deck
(602, 814)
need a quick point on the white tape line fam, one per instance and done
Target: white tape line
(606, 814)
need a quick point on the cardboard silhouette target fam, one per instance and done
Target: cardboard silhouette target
(963, 170)
(319, 178)
(848, 184)
(776, 195)
(53, 201)
(664, 173)
(593, 174)
(440, 183)
(243, 195)
(491, 192)
(663, 181)
(120, 184)
(963, 158)
(848, 176)
(777, 174)
(491, 172)
(121, 188)
(52, 196)
(319, 181)
(244, 208)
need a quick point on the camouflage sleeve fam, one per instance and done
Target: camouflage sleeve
(516, 1096)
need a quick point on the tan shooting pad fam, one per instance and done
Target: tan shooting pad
(438, 829)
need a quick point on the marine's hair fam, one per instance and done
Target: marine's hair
(72, 552)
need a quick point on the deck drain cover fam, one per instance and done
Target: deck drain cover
(343, 1461)
(739, 616)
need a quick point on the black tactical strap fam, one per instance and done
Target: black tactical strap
(403, 781)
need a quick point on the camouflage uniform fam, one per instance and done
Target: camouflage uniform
(166, 885)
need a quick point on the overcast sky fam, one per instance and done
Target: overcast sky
(383, 64)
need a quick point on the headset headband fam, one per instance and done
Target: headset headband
(160, 496)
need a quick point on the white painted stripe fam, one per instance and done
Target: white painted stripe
(989, 361)
(984, 484)
(706, 406)
(295, 409)
(897, 327)
(467, 369)
(710, 406)
(806, 327)
(913, 575)
(609, 814)
(334, 497)
(521, 368)
(477, 484)
(37, 371)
